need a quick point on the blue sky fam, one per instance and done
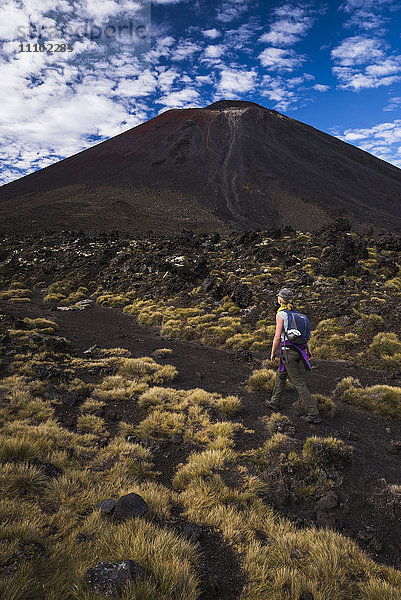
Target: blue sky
(334, 65)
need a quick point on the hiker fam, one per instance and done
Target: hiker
(293, 358)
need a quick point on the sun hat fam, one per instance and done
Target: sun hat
(285, 294)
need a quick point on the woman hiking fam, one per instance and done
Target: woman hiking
(293, 361)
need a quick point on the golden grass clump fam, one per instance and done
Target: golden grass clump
(118, 387)
(161, 423)
(261, 380)
(18, 447)
(22, 480)
(328, 450)
(325, 405)
(163, 352)
(91, 423)
(200, 465)
(42, 324)
(112, 300)
(382, 399)
(147, 370)
(17, 292)
(277, 422)
(92, 406)
(385, 351)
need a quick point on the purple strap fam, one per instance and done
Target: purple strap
(301, 350)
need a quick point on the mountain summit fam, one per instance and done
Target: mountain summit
(232, 164)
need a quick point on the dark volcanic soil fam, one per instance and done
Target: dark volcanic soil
(218, 371)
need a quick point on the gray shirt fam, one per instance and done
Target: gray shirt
(284, 316)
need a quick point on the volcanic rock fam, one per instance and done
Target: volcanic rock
(231, 165)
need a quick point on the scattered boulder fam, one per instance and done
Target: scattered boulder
(192, 531)
(325, 519)
(394, 447)
(110, 578)
(107, 506)
(130, 505)
(26, 551)
(241, 295)
(71, 399)
(328, 501)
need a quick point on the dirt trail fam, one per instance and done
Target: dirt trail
(217, 371)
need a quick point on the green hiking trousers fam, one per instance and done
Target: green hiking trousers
(295, 370)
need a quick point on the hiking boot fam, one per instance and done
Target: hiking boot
(311, 418)
(269, 404)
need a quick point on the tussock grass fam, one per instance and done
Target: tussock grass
(18, 448)
(45, 324)
(118, 387)
(91, 423)
(382, 399)
(329, 450)
(200, 465)
(277, 422)
(261, 380)
(290, 563)
(92, 406)
(384, 351)
(22, 480)
(147, 370)
(163, 352)
(161, 423)
(325, 405)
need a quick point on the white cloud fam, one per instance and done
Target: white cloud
(382, 140)
(211, 33)
(285, 92)
(280, 59)
(389, 66)
(167, 1)
(214, 51)
(180, 99)
(231, 10)
(394, 103)
(184, 50)
(356, 81)
(143, 85)
(242, 37)
(361, 62)
(319, 87)
(368, 15)
(292, 24)
(357, 50)
(234, 81)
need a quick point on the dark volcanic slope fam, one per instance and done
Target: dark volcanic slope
(233, 162)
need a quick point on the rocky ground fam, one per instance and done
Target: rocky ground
(357, 510)
(243, 272)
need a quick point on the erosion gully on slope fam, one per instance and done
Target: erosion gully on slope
(219, 371)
